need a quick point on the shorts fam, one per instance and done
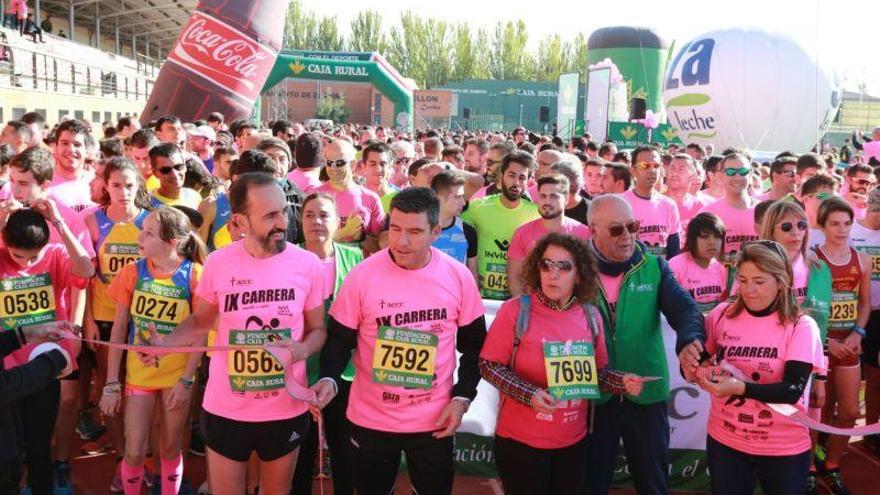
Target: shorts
(833, 362)
(871, 342)
(237, 439)
(137, 391)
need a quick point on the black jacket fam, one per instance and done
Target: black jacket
(17, 383)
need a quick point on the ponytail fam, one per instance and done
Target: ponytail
(174, 224)
(193, 249)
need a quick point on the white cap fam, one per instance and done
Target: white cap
(203, 131)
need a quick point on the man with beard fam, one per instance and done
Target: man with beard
(552, 196)
(660, 223)
(475, 155)
(259, 289)
(496, 218)
(360, 209)
(859, 179)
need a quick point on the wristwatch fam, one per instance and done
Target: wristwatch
(465, 401)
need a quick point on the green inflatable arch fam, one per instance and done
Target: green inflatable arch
(349, 67)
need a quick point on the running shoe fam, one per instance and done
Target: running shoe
(86, 427)
(812, 483)
(62, 479)
(151, 474)
(99, 446)
(116, 483)
(832, 481)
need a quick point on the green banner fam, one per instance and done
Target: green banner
(628, 135)
(566, 104)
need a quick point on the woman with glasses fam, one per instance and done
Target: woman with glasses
(850, 309)
(697, 268)
(546, 354)
(786, 223)
(763, 351)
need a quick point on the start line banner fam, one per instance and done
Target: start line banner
(688, 408)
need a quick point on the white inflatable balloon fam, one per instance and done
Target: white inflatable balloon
(749, 89)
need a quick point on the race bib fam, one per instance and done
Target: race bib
(404, 358)
(27, 300)
(494, 281)
(843, 310)
(163, 305)
(116, 256)
(255, 370)
(571, 370)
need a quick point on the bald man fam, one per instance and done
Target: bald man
(360, 209)
(631, 317)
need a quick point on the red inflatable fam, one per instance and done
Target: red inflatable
(220, 60)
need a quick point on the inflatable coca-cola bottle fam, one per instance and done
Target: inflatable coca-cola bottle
(220, 60)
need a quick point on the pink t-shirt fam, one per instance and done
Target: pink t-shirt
(328, 268)
(801, 273)
(306, 182)
(357, 199)
(6, 190)
(706, 198)
(689, 207)
(871, 149)
(26, 289)
(525, 237)
(707, 286)
(379, 293)
(659, 219)
(258, 300)
(611, 288)
(759, 347)
(75, 194)
(481, 192)
(740, 225)
(567, 425)
(76, 223)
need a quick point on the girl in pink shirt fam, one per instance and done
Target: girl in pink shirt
(697, 268)
(766, 338)
(540, 438)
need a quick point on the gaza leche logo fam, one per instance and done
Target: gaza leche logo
(690, 70)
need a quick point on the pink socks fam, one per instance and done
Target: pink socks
(172, 474)
(132, 477)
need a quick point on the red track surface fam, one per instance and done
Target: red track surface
(92, 475)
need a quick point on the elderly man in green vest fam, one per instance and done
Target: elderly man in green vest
(635, 288)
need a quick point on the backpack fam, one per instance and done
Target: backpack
(294, 197)
(522, 323)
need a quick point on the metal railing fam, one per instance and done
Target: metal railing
(38, 71)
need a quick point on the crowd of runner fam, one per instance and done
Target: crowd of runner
(347, 266)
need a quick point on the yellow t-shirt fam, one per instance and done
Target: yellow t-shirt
(188, 197)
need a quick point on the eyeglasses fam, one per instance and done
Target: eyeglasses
(730, 172)
(167, 170)
(337, 163)
(404, 159)
(787, 226)
(787, 173)
(771, 245)
(631, 227)
(547, 265)
(647, 165)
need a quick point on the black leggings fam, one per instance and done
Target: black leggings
(529, 471)
(338, 432)
(10, 476)
(38, 413)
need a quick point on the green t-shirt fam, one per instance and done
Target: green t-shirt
(495, 225)
(386, 201)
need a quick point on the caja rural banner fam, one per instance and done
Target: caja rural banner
(688, 414)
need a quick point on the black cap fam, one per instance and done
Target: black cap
(309, 150)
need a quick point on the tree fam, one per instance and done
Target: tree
(578, 56)
(300, 28)
(438, 51)
(366, 33)
(328, 37)
(406, 49)
(553, 58)
(471, 55)
(332, 108)
(509, 58)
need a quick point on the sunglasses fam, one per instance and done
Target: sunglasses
(731, 172)
(787, 226)
(547, 265)
(648, 165)
(822, 196)
(337, 163)
(631, 227)
(405, 159)
(787, 173)
(772, 245)
(167, 170)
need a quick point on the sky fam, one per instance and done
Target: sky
(840, 33)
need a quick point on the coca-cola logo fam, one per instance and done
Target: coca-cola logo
(223, 54)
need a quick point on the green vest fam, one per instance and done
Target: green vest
(632, 333)
(345, 257)
(817, 304)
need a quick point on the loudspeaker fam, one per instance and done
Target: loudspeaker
(638, 109)
(545, 114)
(466, 112)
